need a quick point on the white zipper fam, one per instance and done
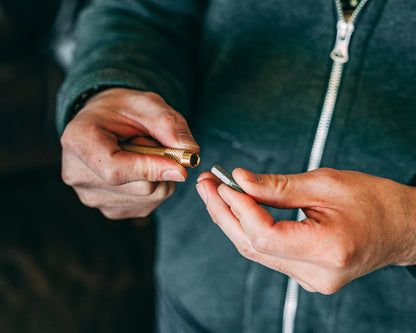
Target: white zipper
(339, 55)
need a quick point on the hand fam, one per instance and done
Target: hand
(356, 223)
(123, 184)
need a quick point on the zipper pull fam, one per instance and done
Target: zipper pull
(344, 31)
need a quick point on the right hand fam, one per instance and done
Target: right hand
(123, 184)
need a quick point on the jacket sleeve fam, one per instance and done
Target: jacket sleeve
(148, 45)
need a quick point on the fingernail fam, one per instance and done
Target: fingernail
(200, 178)
(251, 176)
(173, 175)
(202, 193)
(185, 139)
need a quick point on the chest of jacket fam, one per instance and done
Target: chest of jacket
(265, 69)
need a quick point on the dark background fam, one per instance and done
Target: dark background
(63, 266)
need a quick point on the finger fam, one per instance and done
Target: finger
(119, 206)
(219, 210)
(76, 174)
(135, 189)
(242, 206)
(142, 141)
(100, 152)
(149, 112)
(99, 198)
(229, 224)
(286, 191)
(284, 239)
(170, 129)
(222, 215)
(209, 175)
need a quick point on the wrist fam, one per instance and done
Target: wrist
(86, 96)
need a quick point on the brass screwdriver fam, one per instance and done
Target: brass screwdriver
(184, 157)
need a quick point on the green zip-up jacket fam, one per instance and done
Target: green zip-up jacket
(250, 76)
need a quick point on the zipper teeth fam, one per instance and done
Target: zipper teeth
(321, 135)
(339, 10)
(292, 291)
(326, 117)
(354, 14)
(357, 10)
(291, 304)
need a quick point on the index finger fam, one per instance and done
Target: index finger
(286, 239)
(224, 216)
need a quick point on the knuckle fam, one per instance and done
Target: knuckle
(167, 117)
(280, 183)
(326, 282)
(111, 176)
(89, 199)
(69, 178)
(148, 188)
(342, 260)
(74, 175)
(144, 212)
(141, 214)
(66, 137)
(341, 256)
(329, 287)
(112, 214)
(247, 251)
(261, 244)
(162, 191)
(216, 218)
(148, 171)
(71, 138)
(77, 141)
(152, 97)
(146, 99)
(332, 177)
(327, 171)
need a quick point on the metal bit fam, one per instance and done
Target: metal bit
(184, 157)
(226, 177)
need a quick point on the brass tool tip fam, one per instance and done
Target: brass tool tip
(184, 157)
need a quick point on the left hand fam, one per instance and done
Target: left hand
(356, 223)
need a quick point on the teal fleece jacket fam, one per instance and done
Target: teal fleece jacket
(250, 77)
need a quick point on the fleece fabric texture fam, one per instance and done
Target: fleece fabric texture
(250, 77)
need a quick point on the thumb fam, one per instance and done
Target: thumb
(282, 191)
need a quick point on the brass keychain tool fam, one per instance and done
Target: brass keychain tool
(184, 157)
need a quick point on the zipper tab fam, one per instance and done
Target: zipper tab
(344, 31)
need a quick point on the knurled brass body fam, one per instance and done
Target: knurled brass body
(184, 157)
